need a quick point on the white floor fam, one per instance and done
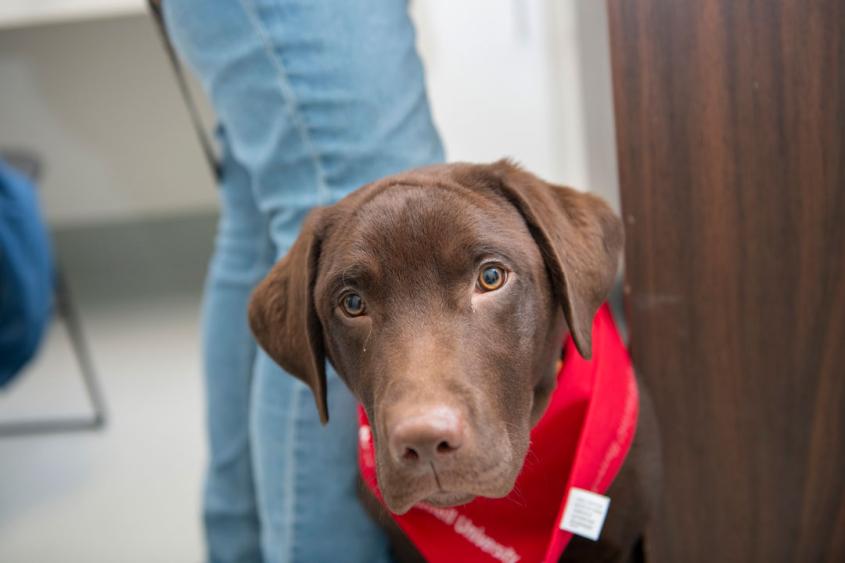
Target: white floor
(127, 493)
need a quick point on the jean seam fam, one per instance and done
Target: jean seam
(289, 96)
(290, 479)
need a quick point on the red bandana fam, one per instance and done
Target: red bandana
(580, 442)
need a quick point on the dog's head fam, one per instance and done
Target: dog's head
(441, 296)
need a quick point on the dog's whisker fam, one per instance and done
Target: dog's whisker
(517, 497)
(531, 457)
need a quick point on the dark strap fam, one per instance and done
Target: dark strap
(202, 134)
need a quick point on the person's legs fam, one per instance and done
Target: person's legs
(319, 98)
(352, 84)
(242, 254)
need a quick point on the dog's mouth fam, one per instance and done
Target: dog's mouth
(443, 491)
(445, 499)
(486, 466)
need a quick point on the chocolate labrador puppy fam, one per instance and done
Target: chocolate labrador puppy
(441, 296)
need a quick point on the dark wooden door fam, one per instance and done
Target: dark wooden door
(730, 118)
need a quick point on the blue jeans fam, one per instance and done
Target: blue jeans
(314, 99)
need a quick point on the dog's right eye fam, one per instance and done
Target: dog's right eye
(352, 304)
(491, 278)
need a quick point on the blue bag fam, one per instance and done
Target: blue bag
(26, 273)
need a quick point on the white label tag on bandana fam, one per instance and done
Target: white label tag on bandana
(584, 513)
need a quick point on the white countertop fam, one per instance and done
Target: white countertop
(24, 13)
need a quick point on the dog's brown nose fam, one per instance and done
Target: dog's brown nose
(429, 435)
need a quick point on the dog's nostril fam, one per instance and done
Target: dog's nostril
(431, 434)
(444, 447)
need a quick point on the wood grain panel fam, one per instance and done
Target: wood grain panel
(730, 119)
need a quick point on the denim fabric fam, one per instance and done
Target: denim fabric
(314, 98)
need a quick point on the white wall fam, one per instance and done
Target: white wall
(98, 101)
(522, 78)
(488, 79)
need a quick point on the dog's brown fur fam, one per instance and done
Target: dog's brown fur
(412, 247)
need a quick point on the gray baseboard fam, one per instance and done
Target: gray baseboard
(137, 259)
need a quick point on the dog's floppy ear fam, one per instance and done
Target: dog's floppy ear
(283, 318)
(579, 236)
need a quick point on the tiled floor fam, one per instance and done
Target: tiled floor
(129, 492)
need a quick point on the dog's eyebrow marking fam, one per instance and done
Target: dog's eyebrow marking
(355, 271)
(356, 276)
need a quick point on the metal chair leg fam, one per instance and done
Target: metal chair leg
(66, 309)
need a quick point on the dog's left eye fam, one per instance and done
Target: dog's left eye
(491, 278)
(352, 304)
